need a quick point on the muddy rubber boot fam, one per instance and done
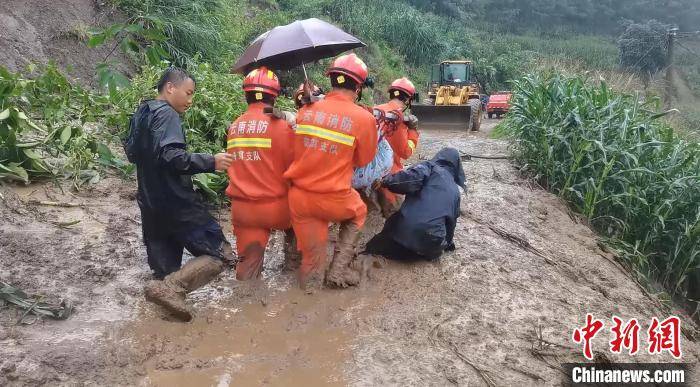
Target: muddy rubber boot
(313, 267)
(341, 273)
(292, 255)
(230, 258)
(251, 262)
(171, 291)
(312, 283)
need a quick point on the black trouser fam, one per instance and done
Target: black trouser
(387, 247)
(165, 239)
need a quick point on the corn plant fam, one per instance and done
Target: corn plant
(614, 160)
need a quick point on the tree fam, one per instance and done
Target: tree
(643, 47)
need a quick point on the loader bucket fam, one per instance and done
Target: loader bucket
(443, 117)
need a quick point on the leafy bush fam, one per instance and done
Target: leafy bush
(45, 129)
(611, 157)
(643, 47)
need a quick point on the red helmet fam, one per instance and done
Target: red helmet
(350, 65)
(404, 85)
(262, 80)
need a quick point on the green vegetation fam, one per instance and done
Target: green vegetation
(191, 26)
(51, 128)
(10, 295)
(611, 157)
(598, 17)
(404, 38)
(46, 129)
(420, 39)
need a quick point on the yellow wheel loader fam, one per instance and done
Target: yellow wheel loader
(453, 98)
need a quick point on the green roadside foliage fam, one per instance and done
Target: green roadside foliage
(46, 129)
(614, 160)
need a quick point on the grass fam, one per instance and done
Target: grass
(613, 159)
(593, 52)
(192, 26)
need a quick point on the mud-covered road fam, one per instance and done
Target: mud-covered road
(500, 310)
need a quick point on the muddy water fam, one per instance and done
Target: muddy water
(276, 337)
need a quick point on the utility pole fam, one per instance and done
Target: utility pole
(671, 38)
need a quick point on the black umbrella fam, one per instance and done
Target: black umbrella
(295, 44)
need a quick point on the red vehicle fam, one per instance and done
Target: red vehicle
(499, 104)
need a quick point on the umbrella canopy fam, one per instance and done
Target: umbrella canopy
(294, 44)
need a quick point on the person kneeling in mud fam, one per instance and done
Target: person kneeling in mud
(173, 215)
(424, 225)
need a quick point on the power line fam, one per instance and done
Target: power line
(688, 34)
(689, 50)
(644, 56)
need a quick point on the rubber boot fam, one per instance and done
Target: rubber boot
(312, 282)
(312, 269)
(341, 273)
(292, 255)
(230, 258)
(251, 262)
(171, 291)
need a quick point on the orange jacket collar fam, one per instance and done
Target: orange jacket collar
(339, 95)
(396, 104)
(257, 107)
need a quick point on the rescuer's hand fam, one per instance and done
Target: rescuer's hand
(222, 161)
(411, 121)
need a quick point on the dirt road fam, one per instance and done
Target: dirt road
(500, 310)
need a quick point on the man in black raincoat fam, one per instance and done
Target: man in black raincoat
(424, 226)
(172, 213)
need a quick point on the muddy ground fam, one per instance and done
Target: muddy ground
(493, 310)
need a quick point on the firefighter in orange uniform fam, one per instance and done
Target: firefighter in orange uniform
(403, 137)
(262, 148)
(333, 136)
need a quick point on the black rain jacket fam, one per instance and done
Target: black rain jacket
(426, 222)
(165, 170)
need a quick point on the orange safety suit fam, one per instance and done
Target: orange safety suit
(333, 136)
(403, 141)
(262, 146)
